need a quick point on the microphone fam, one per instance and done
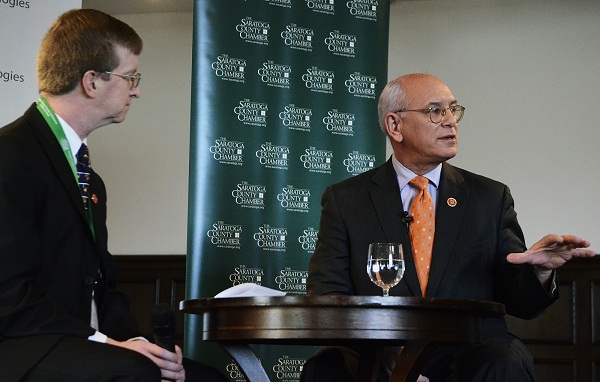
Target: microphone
(163, 326)
(406, 218)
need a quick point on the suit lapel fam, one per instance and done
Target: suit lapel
(451, 204)
(385, 194)
(57, 159)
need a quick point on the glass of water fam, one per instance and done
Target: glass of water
(385, 265)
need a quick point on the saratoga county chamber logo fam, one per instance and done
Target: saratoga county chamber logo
(341, 44)
(228, 152)
(271, 238)
(235, 374)
(288, 369)
(224, 235)
(250, 195)
(339, 123)
(357, 163)
(322, 6)
(317, 160)
(294, 199)
(308, 239)
(229, 68)
(277, 75)
(254, 31)
(318, 80)
(292, 281)
(361, 86)
(251, 113)
(297, 37)
(272, 156)
(363, 9)
(242, 275)
(296, 118)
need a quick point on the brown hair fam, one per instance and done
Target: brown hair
(78, 41)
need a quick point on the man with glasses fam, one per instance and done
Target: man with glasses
(61, 316)
(476, 248)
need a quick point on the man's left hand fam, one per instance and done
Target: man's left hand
(552, 251)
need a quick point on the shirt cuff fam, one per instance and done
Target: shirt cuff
(554, 284)
(98, 337)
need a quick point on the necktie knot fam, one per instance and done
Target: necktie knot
(83, 157)
(420, 182)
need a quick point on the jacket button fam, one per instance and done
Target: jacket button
(89, 280)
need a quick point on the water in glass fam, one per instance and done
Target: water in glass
(385, 265)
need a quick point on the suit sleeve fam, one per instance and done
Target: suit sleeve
(517, 285)
(329, 266)
(116, 318)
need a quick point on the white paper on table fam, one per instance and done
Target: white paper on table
(249, 290)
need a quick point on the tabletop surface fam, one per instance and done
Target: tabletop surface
(330, 319)
(365, 321)
(197, 306)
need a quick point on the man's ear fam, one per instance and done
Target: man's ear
(393, 127)
(88, 83)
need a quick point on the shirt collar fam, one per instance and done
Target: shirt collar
(73, 138)
(404, 175)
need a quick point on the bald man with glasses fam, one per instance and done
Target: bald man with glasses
(476, 249)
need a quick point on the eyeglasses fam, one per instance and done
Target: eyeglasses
(135, 79)
(437, 113)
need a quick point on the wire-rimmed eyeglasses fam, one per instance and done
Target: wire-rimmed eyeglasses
(135, 79)
(437, 113)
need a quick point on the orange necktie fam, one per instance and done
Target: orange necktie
(422, 229)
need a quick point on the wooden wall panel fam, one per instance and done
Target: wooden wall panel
(149, 280)
(564, 341)
(595, 303)
(556, 325)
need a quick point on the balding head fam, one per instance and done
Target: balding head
(401, 91)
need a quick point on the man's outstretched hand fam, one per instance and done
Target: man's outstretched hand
(552, 252)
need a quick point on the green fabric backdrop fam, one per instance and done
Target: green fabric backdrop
(284, 103)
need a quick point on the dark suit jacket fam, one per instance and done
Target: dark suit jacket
(470, 246)
(49, 260)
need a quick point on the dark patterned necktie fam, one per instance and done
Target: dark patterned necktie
(83, 173)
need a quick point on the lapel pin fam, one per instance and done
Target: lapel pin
(451, 202)
(94, 199)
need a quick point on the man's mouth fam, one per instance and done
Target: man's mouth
(448, 137)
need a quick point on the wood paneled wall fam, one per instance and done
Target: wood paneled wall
(149, 280)
(564, 341)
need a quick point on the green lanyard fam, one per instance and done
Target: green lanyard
(52, 120)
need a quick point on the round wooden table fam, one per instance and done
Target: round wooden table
(367, 321)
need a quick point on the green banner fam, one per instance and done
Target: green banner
(284, 103)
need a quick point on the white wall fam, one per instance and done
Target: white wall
(19, 48)
(144, 160)
(528, 72)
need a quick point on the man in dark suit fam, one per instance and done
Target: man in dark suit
(478, 249)
(61, 316)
